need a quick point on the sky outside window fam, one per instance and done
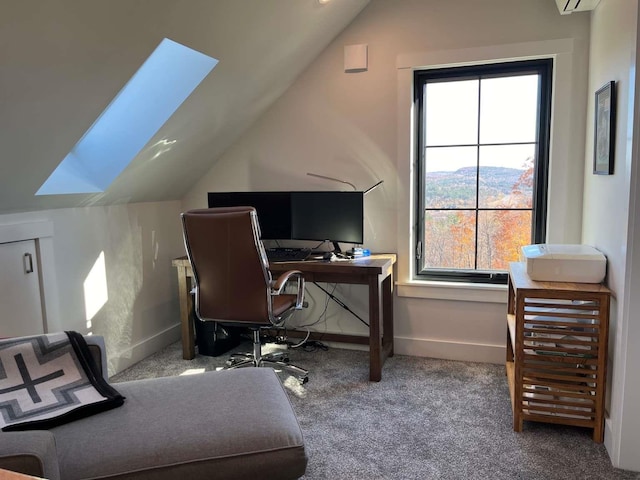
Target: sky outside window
(505, 107)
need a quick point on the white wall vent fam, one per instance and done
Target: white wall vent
(570, 6)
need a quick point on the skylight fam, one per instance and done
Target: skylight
(147, 101)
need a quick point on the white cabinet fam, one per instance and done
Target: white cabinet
(20, 299)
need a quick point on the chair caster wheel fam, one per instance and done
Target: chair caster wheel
(304, 380)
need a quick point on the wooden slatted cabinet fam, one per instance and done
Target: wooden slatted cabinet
(557, 351)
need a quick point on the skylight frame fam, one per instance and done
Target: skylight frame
(153, 94)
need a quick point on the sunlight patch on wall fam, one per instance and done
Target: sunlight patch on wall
(163, 82)
(95, 289)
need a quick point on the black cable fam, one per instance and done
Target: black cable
(341, 303)
(313, 345)
(322, 314)
(280, 338)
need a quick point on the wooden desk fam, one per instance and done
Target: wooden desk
(375, 271)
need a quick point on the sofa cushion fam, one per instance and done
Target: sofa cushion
(227, 424)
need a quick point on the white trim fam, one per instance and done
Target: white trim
(611, 442)
(465, 292)
(444, 349)
(460, 351)
(16, 232)
(483, 55)
(559, 226)
(123, 359)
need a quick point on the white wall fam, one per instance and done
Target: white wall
(138, 242)
(609, 219)
(347, 126)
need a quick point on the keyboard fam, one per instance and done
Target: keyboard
(288, 254)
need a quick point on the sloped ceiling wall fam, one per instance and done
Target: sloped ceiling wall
(63, 61)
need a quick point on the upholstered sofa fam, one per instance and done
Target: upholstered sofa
(216, 425)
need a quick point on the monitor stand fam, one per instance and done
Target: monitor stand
(337, 251)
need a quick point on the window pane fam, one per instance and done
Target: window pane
(506, 176)
(501, 233)
(450, 177)
(451, 113)
(508, 109)
(449, 239)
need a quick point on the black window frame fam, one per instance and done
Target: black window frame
(543, 67)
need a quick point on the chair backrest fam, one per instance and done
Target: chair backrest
(229, 264)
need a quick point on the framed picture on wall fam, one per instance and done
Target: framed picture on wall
(605, 129)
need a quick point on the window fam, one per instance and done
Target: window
(165, 80)
(482, 152)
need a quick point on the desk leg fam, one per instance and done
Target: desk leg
(375, 337)
(387, 316)
(380, 341)
(186, 322)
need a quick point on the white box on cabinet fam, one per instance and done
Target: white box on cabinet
(564, 263)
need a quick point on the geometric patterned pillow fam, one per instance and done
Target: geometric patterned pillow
(48, 380)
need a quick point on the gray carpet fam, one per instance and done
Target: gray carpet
(427, 419)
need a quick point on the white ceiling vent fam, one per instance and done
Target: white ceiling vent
(570, 6)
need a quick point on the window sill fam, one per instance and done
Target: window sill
(463, 292)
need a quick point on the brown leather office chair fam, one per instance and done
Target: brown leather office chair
(233, 284)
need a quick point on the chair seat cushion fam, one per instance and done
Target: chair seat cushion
(227, 424)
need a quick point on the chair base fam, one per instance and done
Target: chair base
(276, 360)
(236, 362)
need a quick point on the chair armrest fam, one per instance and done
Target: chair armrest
(30, 452)
(279, 283)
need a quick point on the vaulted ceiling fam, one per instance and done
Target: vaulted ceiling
(63, 61)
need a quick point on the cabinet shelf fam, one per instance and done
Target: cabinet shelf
(557, 335)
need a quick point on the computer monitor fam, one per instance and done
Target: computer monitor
(333, 216)
(315, 215)
(273, 209)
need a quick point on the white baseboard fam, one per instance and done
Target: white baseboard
(125, 358)
(467, 352)
(610, 444)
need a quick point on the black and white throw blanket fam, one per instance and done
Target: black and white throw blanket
(48, 380)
